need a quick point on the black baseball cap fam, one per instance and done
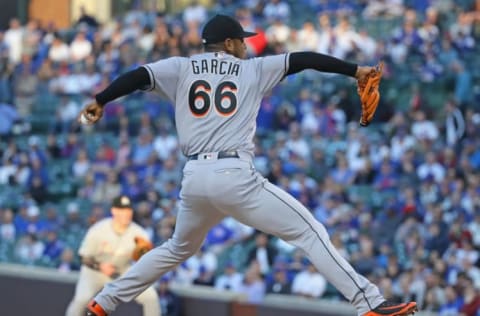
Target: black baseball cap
(122, 201)
(221, 27)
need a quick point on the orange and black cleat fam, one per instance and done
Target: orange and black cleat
(94, 309)
(393, 309)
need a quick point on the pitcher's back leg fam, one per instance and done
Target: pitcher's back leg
(276, 212)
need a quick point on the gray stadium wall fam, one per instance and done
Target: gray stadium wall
(28, 291)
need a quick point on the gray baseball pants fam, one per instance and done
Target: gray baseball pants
(214, 188)
(91, 281)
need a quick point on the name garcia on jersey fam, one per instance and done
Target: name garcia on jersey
(214, 66)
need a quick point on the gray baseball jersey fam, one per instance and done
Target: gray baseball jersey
(217, 98)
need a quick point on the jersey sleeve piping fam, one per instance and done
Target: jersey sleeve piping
(152, 79)
(286, 65)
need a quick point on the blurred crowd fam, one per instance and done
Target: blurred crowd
(401, 199)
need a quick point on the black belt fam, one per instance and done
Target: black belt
(220, 155)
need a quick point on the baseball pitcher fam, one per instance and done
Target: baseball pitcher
(217, 96)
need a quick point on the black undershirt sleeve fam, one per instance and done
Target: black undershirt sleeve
(309, 60)
(125, 84)
(140, 78)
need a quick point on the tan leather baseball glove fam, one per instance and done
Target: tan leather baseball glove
(367, 89)
(142, 246)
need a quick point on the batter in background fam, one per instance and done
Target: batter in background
(106, 253)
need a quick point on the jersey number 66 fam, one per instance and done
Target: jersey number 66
(224, 97)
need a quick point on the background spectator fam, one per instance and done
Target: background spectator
(309, 283)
